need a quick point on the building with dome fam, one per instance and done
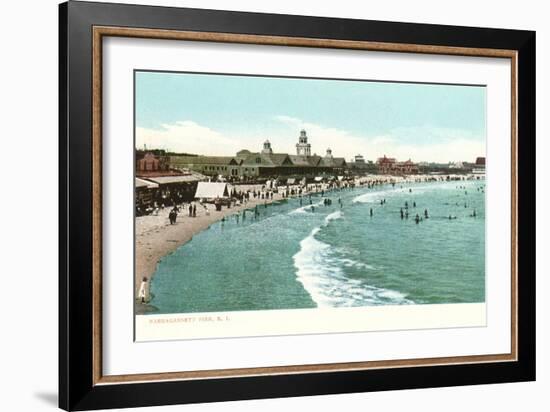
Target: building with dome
(265, 162)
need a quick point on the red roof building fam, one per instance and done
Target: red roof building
(385, 165)
(390, 166)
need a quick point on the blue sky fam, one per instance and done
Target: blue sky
(220, 114)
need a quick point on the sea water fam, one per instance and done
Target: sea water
(304, 256)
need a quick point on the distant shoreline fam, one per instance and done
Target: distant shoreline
(155, 237)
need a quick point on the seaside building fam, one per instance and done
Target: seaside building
(479, 166)
(390, 166)
(386, 165)
(158, 182)
(145, 191)
(265, 163)
(408, 167)
(337, 164)
(267, 148)
(358, 164)
(207, 165)
(152, 161)
(359, 159)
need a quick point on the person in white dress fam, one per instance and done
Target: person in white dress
(143, 290)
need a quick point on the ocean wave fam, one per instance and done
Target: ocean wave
(333, 216)
(375, 197)
(322, 276)
(372, 197)
(304, 209)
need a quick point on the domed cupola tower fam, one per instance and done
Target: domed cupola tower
(267, 148)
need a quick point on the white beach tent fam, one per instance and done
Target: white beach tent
(212, 190)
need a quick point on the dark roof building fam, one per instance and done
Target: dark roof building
(263, 163)
(266, 159)
(304, 161)
(207, 165)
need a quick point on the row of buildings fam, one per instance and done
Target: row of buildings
(166, 178)
(264, 163)
(160, 174)
(248, 165)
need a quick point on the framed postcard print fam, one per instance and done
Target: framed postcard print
(259, 205)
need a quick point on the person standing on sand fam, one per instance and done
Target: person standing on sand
(190, 209)
(194, 210)
(142, 294)
(172, 216)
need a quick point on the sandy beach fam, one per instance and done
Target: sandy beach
(157, 238)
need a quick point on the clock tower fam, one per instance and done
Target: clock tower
(303, 148)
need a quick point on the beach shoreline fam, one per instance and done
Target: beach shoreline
(156, 238)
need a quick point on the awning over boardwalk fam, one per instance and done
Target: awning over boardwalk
(212, 190)
(141, 183)
(166, 180)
